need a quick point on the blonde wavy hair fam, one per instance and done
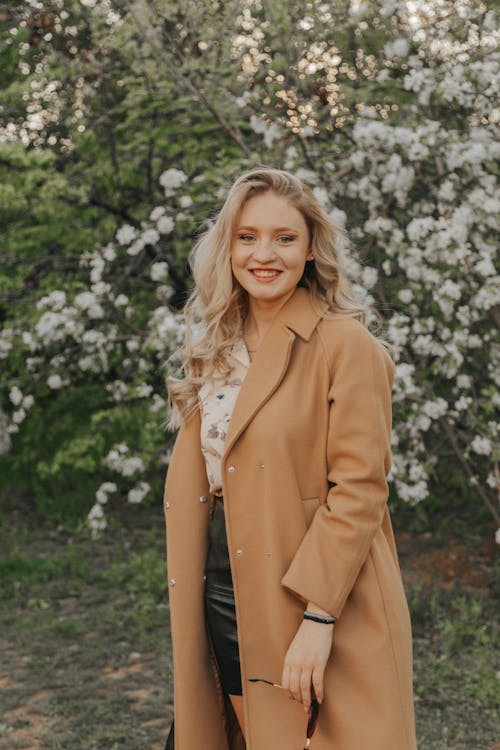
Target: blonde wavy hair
(217, 305)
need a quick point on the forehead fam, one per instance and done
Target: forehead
(268, 209)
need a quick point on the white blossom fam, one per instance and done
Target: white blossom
(55, 381)
(307, 175)
(412, 493)
(118, 460)
(291, 155)
(464, 381)
(138, 493)
(88, 301)
(117, 389)
(56, 301)
(435, 409)
(450, 289)
(405, 295)
(96, 520)
(321, 195)
(157, 212)
(369, 277)
(126, 234)
(492, 481)
(28, 401)
(132, 345)
(144, 390)
(5, 440)
(485, 267)
(463, 403)
(18, 416)
(109, 253)
(151, 236)
(270, 131)
(157, 403)
(446, 191)
(397, 48)
(338, 217)
(121, 300)
(481, 445)
(136, 247)
(104, 490)
(165, 224)
(171, 180)
(15, 395)
(159, 271)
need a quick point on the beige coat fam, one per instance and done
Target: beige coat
(305, 490)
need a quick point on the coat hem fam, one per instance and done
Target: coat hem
(394, 659)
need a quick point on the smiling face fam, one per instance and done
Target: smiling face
(269, 248)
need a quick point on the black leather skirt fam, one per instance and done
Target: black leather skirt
(220, 611)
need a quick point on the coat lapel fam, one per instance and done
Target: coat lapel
(297, 316)
(263, 377)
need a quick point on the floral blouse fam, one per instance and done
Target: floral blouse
(217, 399)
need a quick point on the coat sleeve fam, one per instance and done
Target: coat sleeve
(336, 544)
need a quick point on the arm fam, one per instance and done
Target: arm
(336, 544)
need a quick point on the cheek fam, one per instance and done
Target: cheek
(300, 261)
(238, 257)
(237, 264)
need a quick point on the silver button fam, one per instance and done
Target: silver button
(171, 582)
(239, 552)
(203, 499)
(231, 469)
(204, 578)
(167, 504)
(261, 466)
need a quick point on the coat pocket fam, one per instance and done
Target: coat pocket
(310, 506)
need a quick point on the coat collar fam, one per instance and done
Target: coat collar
(301, 313)
(298, 316)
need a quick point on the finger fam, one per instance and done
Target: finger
(317, 681)
(295, 683)
(305, 688)
(285, 680)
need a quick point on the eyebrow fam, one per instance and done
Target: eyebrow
(278, 229)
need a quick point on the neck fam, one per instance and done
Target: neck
(260, 315)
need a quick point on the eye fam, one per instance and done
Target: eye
(246, 237)
(285, 239)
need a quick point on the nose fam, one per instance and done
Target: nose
(264, 250)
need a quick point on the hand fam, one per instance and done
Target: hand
(305, 661)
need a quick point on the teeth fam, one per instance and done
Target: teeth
(265, 274)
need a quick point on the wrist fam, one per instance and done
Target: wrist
(315, 609)
(325, 619)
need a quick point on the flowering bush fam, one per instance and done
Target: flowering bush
(386, 111)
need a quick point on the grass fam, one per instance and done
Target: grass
(84, 639)
(85, 651)
(456, 669)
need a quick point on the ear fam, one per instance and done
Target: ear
(309, 256)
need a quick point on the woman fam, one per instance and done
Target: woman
(281, 557)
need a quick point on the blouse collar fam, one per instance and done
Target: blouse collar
(239, 352)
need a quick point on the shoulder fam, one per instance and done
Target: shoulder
(339, 334)
(347, 340)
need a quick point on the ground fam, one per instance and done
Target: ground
(85, 653)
